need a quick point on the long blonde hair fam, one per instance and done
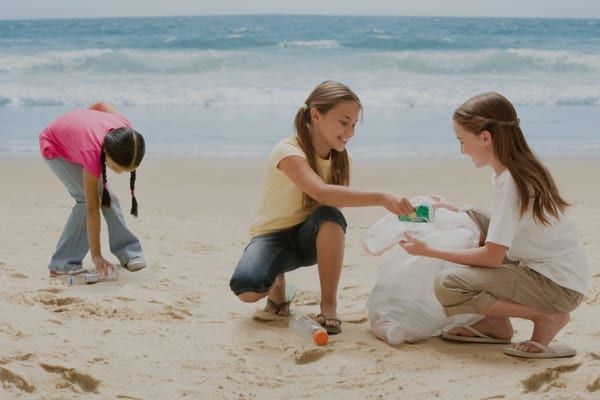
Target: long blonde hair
(323, 98)
(494, 113)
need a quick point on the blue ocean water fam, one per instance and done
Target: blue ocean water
(228, 86)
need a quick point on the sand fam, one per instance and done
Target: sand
(175, 331)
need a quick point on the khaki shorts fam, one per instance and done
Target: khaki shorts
(472, 290)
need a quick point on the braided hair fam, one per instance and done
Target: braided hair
(125, 147)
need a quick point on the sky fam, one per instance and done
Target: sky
(35, 9)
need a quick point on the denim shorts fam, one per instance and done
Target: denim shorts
(272, 254)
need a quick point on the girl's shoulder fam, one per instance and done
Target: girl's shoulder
(504, 181)
(285, 148)
(288, 145)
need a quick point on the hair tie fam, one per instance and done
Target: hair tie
(103, 185)
(305, 106)
(132, 193)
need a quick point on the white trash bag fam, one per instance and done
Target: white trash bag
(402, 306)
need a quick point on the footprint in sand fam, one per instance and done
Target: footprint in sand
(308, 356)
(307, 298)
(51, 290)
(11, 272)
(57, 301)
(176, 312)
(9, 378)
(76, 306)
(548, 377)
(594, 386)
(68, 378)
(71, 377)
(9, 330)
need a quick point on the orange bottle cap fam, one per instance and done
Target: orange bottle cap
(320, 337)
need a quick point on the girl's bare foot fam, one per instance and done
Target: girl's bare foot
(276, 301)
(545, 329)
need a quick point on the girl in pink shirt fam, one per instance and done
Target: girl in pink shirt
(78, 146)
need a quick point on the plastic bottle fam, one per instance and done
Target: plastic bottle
(308, 328)
(90, 277)
(111, 275)
(84, 278)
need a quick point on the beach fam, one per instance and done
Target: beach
(174, 330)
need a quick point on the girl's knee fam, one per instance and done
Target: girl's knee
(444, 285)
(243, 284)
(250, 297)
(326, 214)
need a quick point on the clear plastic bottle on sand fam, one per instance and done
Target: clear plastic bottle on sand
(112, 274)
(90, 277)
(83, 278)
(308, 328)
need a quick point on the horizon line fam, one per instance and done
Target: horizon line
(296, 15)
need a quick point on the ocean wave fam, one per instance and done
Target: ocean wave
(559, 60)
(316, 44)
(433, 93)
(493, 60)
(120, 61)
(198, 61)
(281, 75)
(51, 61)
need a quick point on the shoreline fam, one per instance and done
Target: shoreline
(387, 133)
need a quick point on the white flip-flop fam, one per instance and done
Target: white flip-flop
(547, 352)
(478, 337)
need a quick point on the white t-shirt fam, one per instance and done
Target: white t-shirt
(552, 250)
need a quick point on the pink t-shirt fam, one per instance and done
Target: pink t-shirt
(77, 136)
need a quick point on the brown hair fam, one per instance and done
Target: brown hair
(125, 147)
(323, 98)
(494, 113)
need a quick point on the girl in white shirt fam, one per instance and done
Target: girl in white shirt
(530, 265)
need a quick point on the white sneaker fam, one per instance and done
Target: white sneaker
(135, 263)
(64, 272)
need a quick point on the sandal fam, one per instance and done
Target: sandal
(331, 329)
(281, 309)
(264, 315)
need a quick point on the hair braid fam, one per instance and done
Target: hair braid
(105, 194)
(134, 205)
(126, 148)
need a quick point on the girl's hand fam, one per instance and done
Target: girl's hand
(398, 205)
(441, 202)
(102, 266)
(414, 246)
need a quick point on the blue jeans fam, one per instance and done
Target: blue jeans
(272, 254)
(73, 243)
